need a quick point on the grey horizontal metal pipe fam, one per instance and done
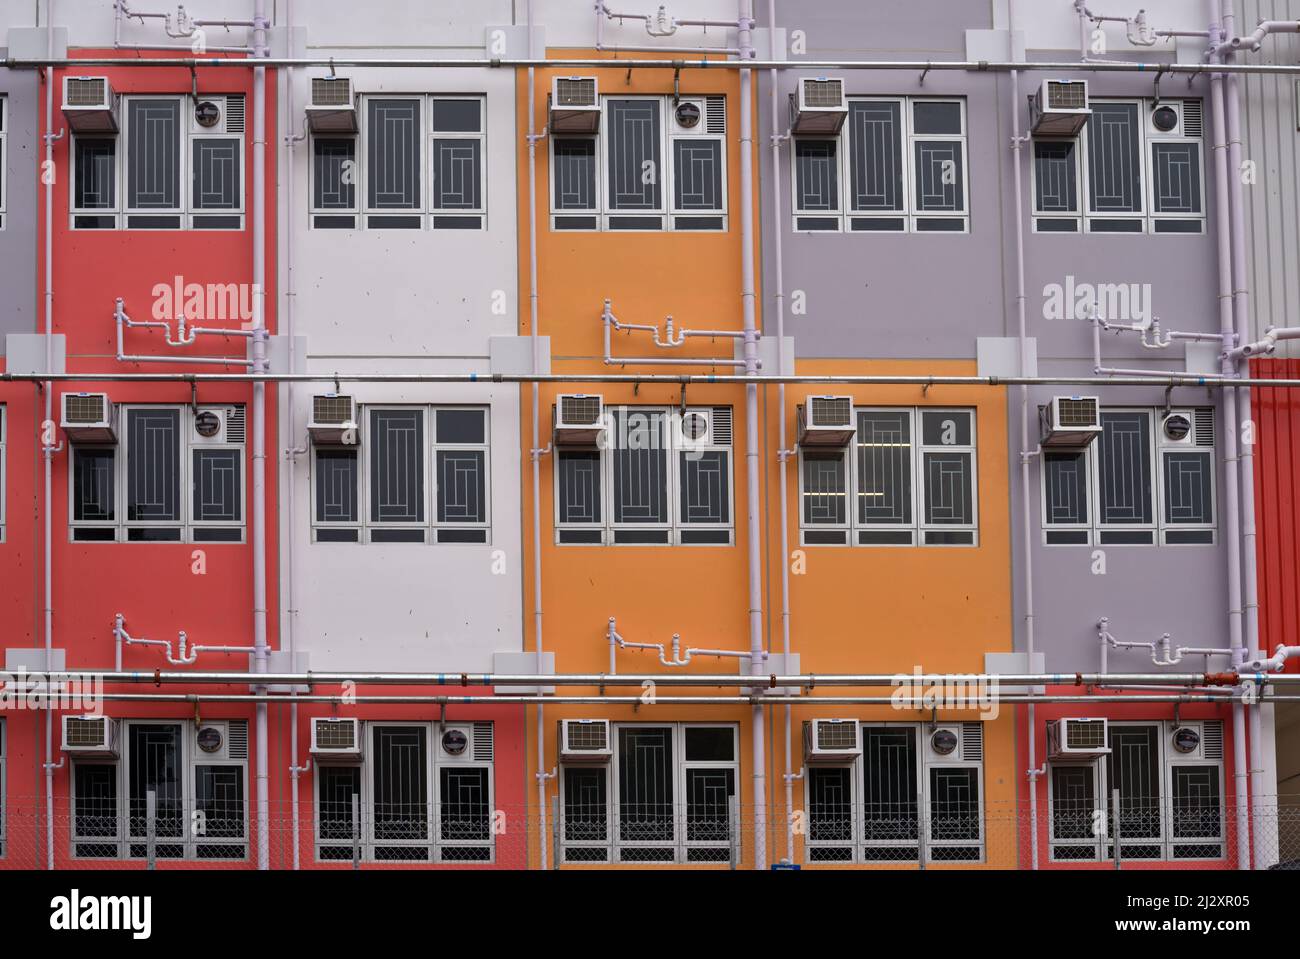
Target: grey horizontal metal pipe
(914, 703)
(690, 379)
(808, 680)
(978, 66)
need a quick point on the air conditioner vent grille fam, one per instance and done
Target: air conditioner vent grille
(833, 735)
(237, 740)
(79, 732)
(84, 409)
(575, 92)
(823, 93)
(1204, 427)
(1212, 740)
(722, 425)
(580, 410)
(591, 737)
(1066, 96)
(335, 735)
(1193, 121)
(235, 424)
(86, 92)
(482, 742)
(331, 409)
(1076, 412)
(234, 114)
(1085, 734)
(972, 742)
(331, 92)
(715, 115)
(829, 411)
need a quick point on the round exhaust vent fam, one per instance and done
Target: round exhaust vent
(1177, 426)
(207, 114)
(695, 426)
(207, 424)
(209, 739)
(1186, 739)
(943, 742)
(1164, 119)
(454, 742)
(687, 115)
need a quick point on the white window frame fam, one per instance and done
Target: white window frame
(674, 527)
(426, 211)
(679, 844)
(1159, 528)
(1101, 846)
(190, 760)
(862, 847)
(121, 465)
(364, 525)
(910, 214)
(918, 526)
(186, 211)
(667, 213)
(433, 802)
(1083, 218)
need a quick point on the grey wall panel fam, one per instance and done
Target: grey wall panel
(18, 242)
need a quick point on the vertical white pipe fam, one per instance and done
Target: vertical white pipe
(1026, 492)
(535, 449)
(258, 346)
(47, 450)
(746, 21)
(1231, 500)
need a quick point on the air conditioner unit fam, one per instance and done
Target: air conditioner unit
(333, 420)
(217, 114)
(826, 421)
(90, 735)
(1077, 739)
(332, 107)
(819, 107)
(461, 743)
(220, 740)
(579, 419)
(954, 743)
(585, 740)
(1071, 422)
(699, 116)
(88, 418)
(826, 740)
(1059, 108)
(89, 105)
(575, 105)
(335, 739)
(218, 426)
(1187, 428)
(1203, 741)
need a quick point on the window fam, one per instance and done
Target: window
(177, 163)
(658, 163)
(423, 792)
(4, 157)
(1170, 782)
(912, 475)
(199, 778)
(914, 795)
(420, 474)
(663, 478)
(175, 475)
(1148, 478)
(665, 797)
(422, 163)
(898, 165)
(1134, 168)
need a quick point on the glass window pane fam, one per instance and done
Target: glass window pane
(936, 116)
(1176, 177)
(457, 174)
(954, 804)
(1124, 468)
(889, 784)
(1196, 801)
(634, 155)
(219, 799)
(1134, 769)
(1114, 158)
(336, 486)
(706, 490)
(153, 174)
(875, 156)
(393, 154)
(462, 486)
(707, 744)
(579, 481)
(461, 426)
(645, 783)
(708, 809)
(830, 804)
(586, 810)
(1056, 186)
(337, 785)
(949, 489)
(1065, 488)
(155, 765)
(1188, 487)
(153, 485)
(824, 488)
(1074, 798)
(940, 180)
(457, 116)
(218, 479)
(575, 173)
(334, 171)
(93, 484)
(216, 173)
(884, 443)
(816, 176)
(397, 466)
(465, 813)
(946, 428)
(95, 805)
(96, 174)
(697, 174)
(640, 461)
(400, 783)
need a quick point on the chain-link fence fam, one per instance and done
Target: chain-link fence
(159, 831)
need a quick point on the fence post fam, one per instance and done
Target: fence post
(555, 832)
(150, 831)
(1114, 806)
(921, 849)
(356, 831)
(733, 815)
